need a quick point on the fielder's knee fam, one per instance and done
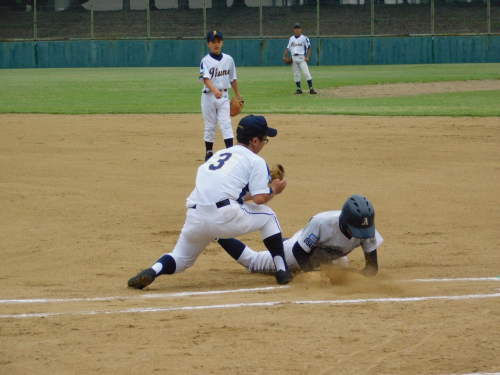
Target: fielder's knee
(172, 264)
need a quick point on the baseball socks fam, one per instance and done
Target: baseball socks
(209, 147)
(274, 244)
(228, 142)
(299, 90)
(311, 90)
(233, 247)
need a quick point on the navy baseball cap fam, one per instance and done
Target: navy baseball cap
(212, 34)
(255, 126)
(297, 25)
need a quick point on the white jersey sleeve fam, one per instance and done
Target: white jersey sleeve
(371, 244)
(221, 72)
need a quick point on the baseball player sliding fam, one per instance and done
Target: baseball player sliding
(328, 237)
(216, 207)
(299, 47)
(218, 74)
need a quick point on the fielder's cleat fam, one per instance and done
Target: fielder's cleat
(311, 91)
(209, 154)
(283, 277)
(299, 91)
(143, 279)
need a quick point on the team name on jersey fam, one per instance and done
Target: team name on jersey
(296, 44)
(214, 72)
(311, 241)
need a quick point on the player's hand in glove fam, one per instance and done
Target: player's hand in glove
(287, 60)
(236, 105)
(277, 172)
(278, 185)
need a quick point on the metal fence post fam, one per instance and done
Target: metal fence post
(205, 17)
(148, 20)
(261, 32)
(488, 11)
(432, 17)
(317, 18)
(372, 17)
(35, 15)
(92, 19)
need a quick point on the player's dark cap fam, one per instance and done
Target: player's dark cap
(212, 34)
(359, 216)
(297, 25)
(254, 126)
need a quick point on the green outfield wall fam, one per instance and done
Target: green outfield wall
(252, 52)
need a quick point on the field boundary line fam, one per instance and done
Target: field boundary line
(458, 279)
(189, 294)
(145, 296)
(255, 304)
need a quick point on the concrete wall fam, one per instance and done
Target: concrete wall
(253, 52)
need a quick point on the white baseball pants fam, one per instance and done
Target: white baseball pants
(216, 110)
(299, 62)
(262, 261)
(205, 223)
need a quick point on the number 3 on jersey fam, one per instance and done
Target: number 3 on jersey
(222, 159)
(223, 163)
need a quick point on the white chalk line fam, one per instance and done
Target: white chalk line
(188, 294)
(145, 296)
(449, 280)
(255, 304)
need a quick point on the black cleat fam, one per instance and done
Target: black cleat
(299, 91)
(209, 154)
(143, 279)
(311, 91)
(283, 277)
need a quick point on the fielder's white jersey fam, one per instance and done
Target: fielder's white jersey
(221, 72)
(323, 233)
(298, 45)
(236, 171)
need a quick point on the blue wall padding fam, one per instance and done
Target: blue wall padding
(249, 52)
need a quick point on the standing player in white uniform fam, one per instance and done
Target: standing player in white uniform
(218, 74)
(300, 49)
(327, 238)
(216, 207)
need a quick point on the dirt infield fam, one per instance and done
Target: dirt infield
(87, 201)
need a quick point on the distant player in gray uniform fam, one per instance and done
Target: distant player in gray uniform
(218, 75)
(326, 240)
(299, 47)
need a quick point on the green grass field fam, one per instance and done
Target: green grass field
(266, 90)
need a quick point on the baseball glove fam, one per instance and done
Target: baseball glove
(236, 105)
(277, 172)
(287, 60)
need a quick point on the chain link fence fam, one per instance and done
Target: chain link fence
(262, 19)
